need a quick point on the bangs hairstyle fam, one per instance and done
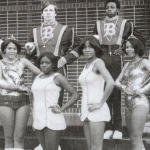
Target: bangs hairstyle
(113, 1)
(47, 3)
(94, 43)
(138, 46)
(51, 57)
(7, 41)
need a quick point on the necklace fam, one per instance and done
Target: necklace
(44, 42)
(107, 32)
(10, 61)
(109, 29)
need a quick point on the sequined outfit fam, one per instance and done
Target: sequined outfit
(13, 73)
(134, 77)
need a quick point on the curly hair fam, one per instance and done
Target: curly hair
(94, 43)
(50, 56)
(7, 41)
(138, 46)
(114, 1)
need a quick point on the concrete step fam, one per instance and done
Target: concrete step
(79, 143)
(73, 139)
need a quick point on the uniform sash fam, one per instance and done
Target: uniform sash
(108, 35)
(52, 44)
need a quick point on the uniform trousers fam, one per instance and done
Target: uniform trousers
(113, 64)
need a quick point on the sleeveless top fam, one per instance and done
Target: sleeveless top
(13, 73)
(92, 85)
(134, 76)
(46, 94)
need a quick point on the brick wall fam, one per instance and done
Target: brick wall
(18, 17)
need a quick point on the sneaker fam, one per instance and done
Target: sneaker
(117, 135)
(59, 148)
(39, 147)
(108, 134)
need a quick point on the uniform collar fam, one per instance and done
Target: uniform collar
(113, 18)
(51, 23)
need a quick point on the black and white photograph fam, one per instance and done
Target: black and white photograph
(74, 74)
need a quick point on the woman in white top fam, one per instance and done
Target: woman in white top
(48, 118)
(94, 110)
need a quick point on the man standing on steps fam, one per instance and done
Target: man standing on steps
(112, 32)
(53, 37)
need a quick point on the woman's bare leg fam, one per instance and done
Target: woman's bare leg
(7, 116)
(22, 116)
(138, 120)
(97, 133)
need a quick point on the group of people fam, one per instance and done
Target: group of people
(104, 74)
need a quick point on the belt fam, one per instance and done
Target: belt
(13, 98)
(109, 48)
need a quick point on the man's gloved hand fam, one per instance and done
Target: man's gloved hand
(61, 62)
(119, 51)
(30, 47)
(1, 54)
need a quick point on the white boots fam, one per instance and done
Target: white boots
(114, 135)
(108, 134)
(117, 135)
(39, 147)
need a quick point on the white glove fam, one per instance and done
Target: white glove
(61, 62)
(29, 46)
(1, 41)
(96, 36)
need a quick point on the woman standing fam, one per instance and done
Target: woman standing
(48, 118)
(133, 81)
(94, 111)
(14, 98)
